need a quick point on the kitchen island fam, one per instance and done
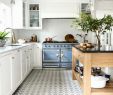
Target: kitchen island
(92, 58)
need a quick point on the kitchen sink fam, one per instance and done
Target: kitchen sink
(14, 45)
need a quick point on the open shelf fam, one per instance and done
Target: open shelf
(90, 60)
(79, 79)
(108, 90)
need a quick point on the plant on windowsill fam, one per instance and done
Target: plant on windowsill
(3, 38)
(98, 26)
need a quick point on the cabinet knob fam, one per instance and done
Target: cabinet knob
(18, 50)
(13, 57)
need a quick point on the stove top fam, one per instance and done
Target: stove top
(60, 42)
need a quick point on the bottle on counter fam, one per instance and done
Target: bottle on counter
(34, 38)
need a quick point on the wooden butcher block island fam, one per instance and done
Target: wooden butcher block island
(92, 58)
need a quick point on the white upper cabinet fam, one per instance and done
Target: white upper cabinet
(6, 2)
(32, 18)
(17, 14)
(59, 8)
(5, 15)
(103, 7)
(84, 1)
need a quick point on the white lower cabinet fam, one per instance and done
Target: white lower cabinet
(31, 57)
(5, 74)
(24, 63)
(38, 56)
(16, 69)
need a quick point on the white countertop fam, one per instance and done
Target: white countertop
(8, 48)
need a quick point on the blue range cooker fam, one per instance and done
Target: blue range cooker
(57, 54)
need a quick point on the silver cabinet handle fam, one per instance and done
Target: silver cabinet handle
(62, 54)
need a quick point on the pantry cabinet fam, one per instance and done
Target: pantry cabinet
(5, 74)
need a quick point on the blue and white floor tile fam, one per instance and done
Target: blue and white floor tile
(49, 82)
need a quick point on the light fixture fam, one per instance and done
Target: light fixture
(12, 1)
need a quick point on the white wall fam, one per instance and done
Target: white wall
(51, 27)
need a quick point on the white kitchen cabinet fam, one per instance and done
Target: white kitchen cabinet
(32, 18)
(37, 56)
(17, 14)
(5, 16)
(84, 1)
(59, 8)
(27, 60)
(31, 56)
(5, 74)
(24, 63)
(16, 69)
(6, 2)
(103, 7)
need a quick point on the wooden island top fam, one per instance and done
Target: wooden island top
(92, 58)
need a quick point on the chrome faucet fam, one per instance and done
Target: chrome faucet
(13, 39)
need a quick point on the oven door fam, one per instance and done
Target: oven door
(51, 55)
(66, 55)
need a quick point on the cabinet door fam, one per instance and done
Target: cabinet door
(28, 60)
(5, 75)
(24, 63)
(5, 16)
(66, 55)
(31, 15)
(37, 57)
(31, 57)
(17, 14)
(16, 69)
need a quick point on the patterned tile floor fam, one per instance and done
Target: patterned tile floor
(49, 82)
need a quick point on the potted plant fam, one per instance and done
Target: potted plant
(2, 38)
(98, 26)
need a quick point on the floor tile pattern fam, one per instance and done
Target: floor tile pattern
(49, 82)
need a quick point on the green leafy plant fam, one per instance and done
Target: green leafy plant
(90, 24)
(3, 35)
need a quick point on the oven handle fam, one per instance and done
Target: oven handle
(62, 54)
